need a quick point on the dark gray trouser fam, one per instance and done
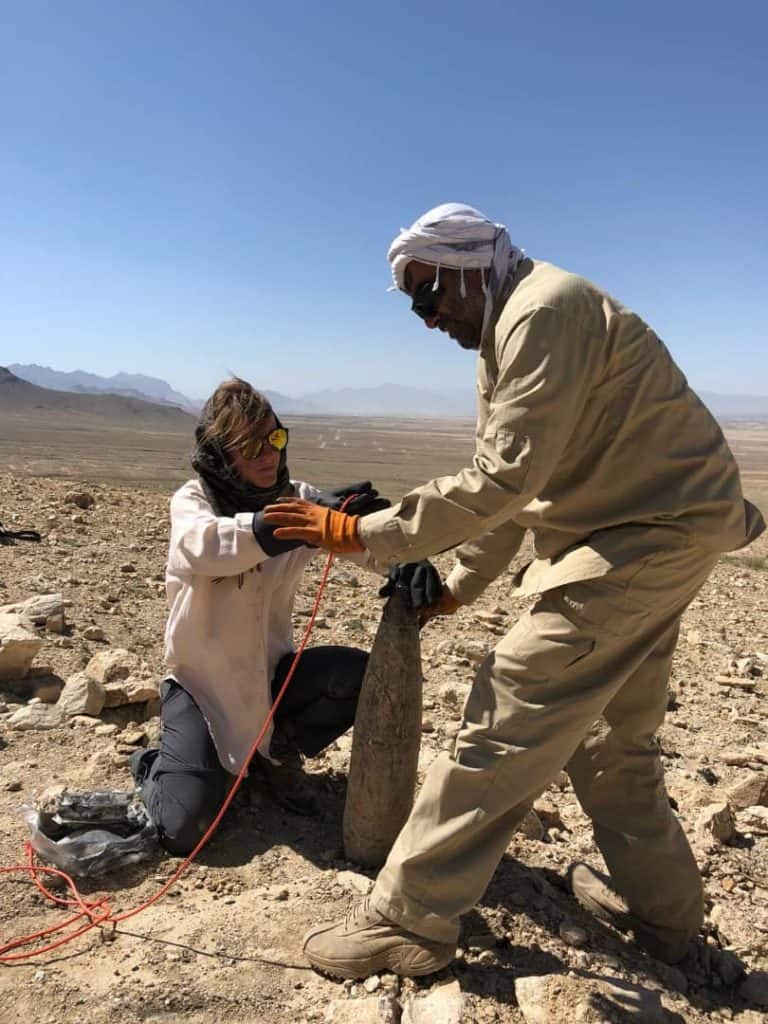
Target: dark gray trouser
(183, 784)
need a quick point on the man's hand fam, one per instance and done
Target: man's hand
(366, 499)
(314, 525)
(447, 605)
(424, 589)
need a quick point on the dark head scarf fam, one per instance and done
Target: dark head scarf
(227, 492)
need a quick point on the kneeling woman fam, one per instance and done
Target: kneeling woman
(231, 586)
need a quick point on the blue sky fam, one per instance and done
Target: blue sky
(188, 188)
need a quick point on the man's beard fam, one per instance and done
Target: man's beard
(469, 344)
(470, 336)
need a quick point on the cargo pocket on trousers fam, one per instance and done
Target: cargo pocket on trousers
(547, 643)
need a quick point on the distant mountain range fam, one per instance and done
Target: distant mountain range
(19, 396)
(396, 400)
(131, 385)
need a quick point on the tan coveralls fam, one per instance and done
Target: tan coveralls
(588, 435)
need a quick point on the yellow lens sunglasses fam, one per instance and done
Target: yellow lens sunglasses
(253, 447)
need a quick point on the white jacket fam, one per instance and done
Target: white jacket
(230, 618)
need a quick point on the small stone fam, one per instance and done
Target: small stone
(548, 813)
(427, 725)
(108, 666)
(452, 695)
(531, 827)
(749, 791)
(717, 819)
(736, 683)
(755, 988)
(106, 729)
(36, 717)
(55, 624)
(745, 667)
(93, 633)
(372, 984)
(9, 779)
(129, 567)
(490, 618)
(353, 1011)
(80, 498)
(573, 934)
(81, 695)
(129, 691)
(353, 881)
(443, 1003)
(746, 756)
(754, 820)
(134, 738)
(86, 721)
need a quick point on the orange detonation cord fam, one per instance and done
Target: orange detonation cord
(98, 912)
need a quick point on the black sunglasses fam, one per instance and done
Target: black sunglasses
(426, 299)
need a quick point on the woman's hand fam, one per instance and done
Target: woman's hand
(364, 499)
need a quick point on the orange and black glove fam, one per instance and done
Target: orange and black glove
(447, 605)
(314, 525)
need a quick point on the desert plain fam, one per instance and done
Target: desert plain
(225, 944)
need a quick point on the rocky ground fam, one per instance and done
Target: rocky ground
(224, 944)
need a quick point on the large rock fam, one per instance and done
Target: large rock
(110, 666)
(752, 789)
(81, 695)
(18, 646)
(36, 716)
(129, 691)
(562, 999)
(443, 1003)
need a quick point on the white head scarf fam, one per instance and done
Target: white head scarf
(460, 237)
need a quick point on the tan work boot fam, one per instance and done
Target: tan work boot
(366, 942)
(594, 893)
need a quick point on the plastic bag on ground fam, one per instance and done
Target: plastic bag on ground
(87, 834)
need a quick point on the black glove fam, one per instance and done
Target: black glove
(270, 544)
(367, 499)
(419, 581)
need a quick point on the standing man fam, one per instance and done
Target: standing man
(589, 436)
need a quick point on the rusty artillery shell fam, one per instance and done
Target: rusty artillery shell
(386, 738)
